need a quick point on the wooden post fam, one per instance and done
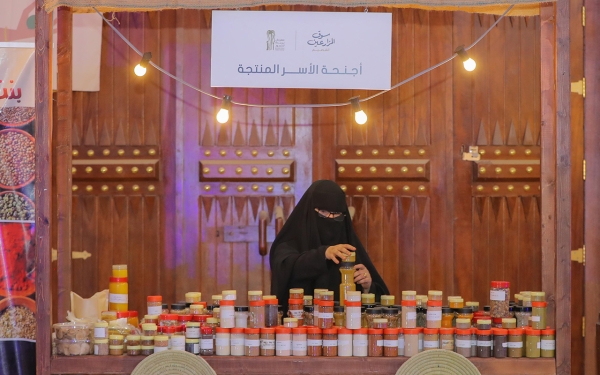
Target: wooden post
(43, 184)
(64, 131)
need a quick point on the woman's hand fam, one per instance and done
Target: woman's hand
(362, 277)
(341, 251)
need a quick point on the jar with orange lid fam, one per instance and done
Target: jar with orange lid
(325, 314)
(330, 342)
(236, 341)
(411, 341)
(344, 342)
(434, 313)
(299, 338)
(314, 342)
(118, 294)
(167, 320)
(532, 343)
(154, 305)
(360, 342)
(227, 313)
(499, 298)
(267, 342)
(447, 339)
(283, 342)
(500, 342)
(538, 315)
(484, 343)
(390, 342)
(431, 339)
(434, 295)
(119, 270)
(252, 342)
(515, 343)
(257, 314)
(271, 312)
(548, 343)
(409, 313)
(133, 318)
(463, 342)
(388, 300)
(296, 309)
(375, 337)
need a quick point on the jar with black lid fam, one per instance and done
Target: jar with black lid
(487, 310)
(178, 308)
(165, 308)
(373, 313)
(391, 314)
(309, 315)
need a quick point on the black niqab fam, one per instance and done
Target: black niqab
(297, 255)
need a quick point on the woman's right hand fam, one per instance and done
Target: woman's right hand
(341, 251)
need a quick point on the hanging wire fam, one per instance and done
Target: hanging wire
(417, 75)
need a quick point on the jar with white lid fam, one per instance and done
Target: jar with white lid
(193, 297)
(222, 341)
(229, 295)
(360, 343)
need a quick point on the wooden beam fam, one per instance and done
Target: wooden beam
(63, 145)
(43, 184)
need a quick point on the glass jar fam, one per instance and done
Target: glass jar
(409, 295)
(352, 316)
(547, 343)
(499, 298)
(325, 314)
(241, 315)
(116, 339)
(183, 320)
(229, 295)
(363, 316)
(526, 301)
(487, 310)
(434, 312)
(339, 319)
(463, 323)
(421, 316)
(119, 270)
(473, 305)
(388, 300)
(484, 324)
(523, 314)
(178, 339)
(193, 297)
(296, 293)
(314, 342)
(538, 296)
(484, 343)
(368, 298)
(101, 347)
(216, 300)
(473, 342)
(227, 314)
(295, 309)
(538, 315)
(434, 295)
(380, 323)
(200, 319)
(283, 342)
(463, 342)
(344, 342)
(447, 317)
(192, 330)
(267, 342)
(179, 308)
(431, 339)
(290, 322)
(515, 343)
(308, 300)
(161, 343)
(271, 311)
(147, 350)
(134, 350)
(354, 296)
(375, 338)
(347, 276)
(373, 313)
(360, 342)
(191, 346)
(330, 342)
(147, 340)
(255, 295)
(500, 342)
(456, 303)
(165, 308)
(409, 312)
(252, 340)
(390, 342)
(115, 349)
(150, 319)
(154, 305)
(118, 294)
(464, 313)
(497, 322)
(299, 342)
(532, 343)
(257, 314)
(101, 330)
(236, 341)
(133, 340)
(509, 323)
(308, 315)
(196, 309)
(216, 313)
(223, 340)
(447, 339)
(400, 342)
(327, 295)
(411, 341)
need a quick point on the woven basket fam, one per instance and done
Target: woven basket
(438, 362)
(173, 362)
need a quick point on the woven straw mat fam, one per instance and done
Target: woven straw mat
(438, 362)
(173, 362)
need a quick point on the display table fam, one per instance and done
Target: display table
(298, 365)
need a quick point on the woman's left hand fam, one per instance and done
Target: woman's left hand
(362, 277)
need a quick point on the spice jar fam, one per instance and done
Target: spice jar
(101, 347)
(237, 341)
(344, 342)
(409, 312)
(241, 316)
(178, 339)
(101, 330)
(183, 320)
(252, 341)
(222, 340)
(523, 314)
(487, 311)
(390, 342)
(526, 301)
(193, 297)
(161, 343)
(532, 343)
(192, 330)
(447, 339)
(380, 323)
(308, 300)
(229, 295)
(515, 343)
(411, 341)
(296, 293)
(309, 315)
(547, 342)
(191, 346)
(499, 298)
(360, 342)
(434, 313)
(178, 308)
(456, 303)
(118, 295)
(373, 313)
(290, 322)
(409, 295)
(150, 319)
(115, 349)
(227, 313)
(133, 340)
(463, 323)
(147, 350)
(147, 340)
(473, 342)
(375, 338)
(369, 298)
(473, 305)
(206, 341)
(196, 309)
(299, 342)
(257, 314)
(216, 312)
(338, 316)
(216, 300)
(325, 314)
(154, 305)
(464, 313)
(538, 315)
(400, 342)
(431, 339)
(352, 315)
(484, 343)
(267, 342)
(500, 342)
(463, 342)
(295, 309)
(421, 316)
(213, 323)
(115, 339)
(484, 324)
(497, 322)
(134, 350)
(391, 314)
(314, 342)
(447, 317)
(167, 320)
(509, 323)
(330, 342)
(388, 300)
(283, 341)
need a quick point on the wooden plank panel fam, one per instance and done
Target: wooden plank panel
(103, 256)
(222, 256)
(135, 84)
(422, 244)
(120, 244)
(513, 238)
(152, 261)
(374, 240)
(135, 263)
(481, 88)
(85, 275)
(406, 245)
(239, 256)
(105, 115)
(121, 72)
(496, 66)
(406, 69)
(392, 267)
(481, 214)
(496, 257)
(207, 210)
(512, 69)
(152, 96)
(422, 60)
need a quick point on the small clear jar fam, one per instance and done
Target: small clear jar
(154, 305)
(191, 346)
(499, 298)
(380, 323)
(526, 301)
(296, 293)
(409, 313)
(484, 343)
(523, 314)
(168, 320)
(330, 342)
(375, 337)
(515, 343)
(254, 295)
(134, 350)
(463, 324)
(509, 323)
(548, 343)
(101, 330)
(206, 341)
(241, 316)
(229, 295)
(484, 324)
(463, 342)
(388, 300)
(165, 309)
(216, 300)
(391, 314)
(309, 315)
(267, 342)
(474, 305)
(236, 341)
(147, 340)
(101, 347)
(252, 341)
(314, 342)
(373, 313)
(115, 349)
(538, 297)
(133, 340)
(326, 314)
(257, 314)
(464, 313)
(411, 341)
(431, 339)
(360, 342)
(178, 339)
(192, 330)
(299, 338)
(344, 342)
(434, 312)
(497, 322)
(456, 303)
(409, 295)
(178, 308)
(421, 316)
(116, 339)
(193, 297)
(434, 295)
(161, 343)
(538, 315)
(295, 309)
(390, 342)
(339, 319)
(447, 339)
(368, 298)
(223, 340)
(196, 309)
(147, 350)
(532, 343)
(447, 317)
(227, 313)
(150, 319)
(308, 300)
(216, 312)
(271, 312)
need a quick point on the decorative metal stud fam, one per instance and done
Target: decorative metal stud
(341, 169)
(421, 188)
(152, 152)
(512, 152)
(270, 154)
(497, 152)
(221, 170)
(75, 152)
(121, 152)
(406, 152)
(373, 169)
(120, 187)
(359, 152)
(270, 188)
(119, 169)
(420, 169)
(481, 152)
(374, 188)
(136, 152)
(343, 152)
(255, 187)
(135, 187)
(151, 188)
(358, 169)
(207, 153)
(88, 169)
(239, 170)
(269, 170)
(286, 153)
(389, 188)
(134, 169)
(498, 170)
(527, 152)
(388, 170)
(359, 188)
(104, 188)
(89, 188)
(254, 170)
(285, 170)
(286, 187)
(240, 188)
(238, 153)
(149, 169)
(526, 187)
(375, 152)
(406, 188)
(479, 187)
(206, 187)
(404, 169)
(391, 152)
(510, 188)
(512, 170)
(529, 169)
(103, 170)
(73, 170)
(106, 152)
(496, 188)
(223, 188)
(90, 153)
(344, 188)
(254, 153)
(206, 170)
(421, 152)
(223, 153)
(481, 169)
(74, 187)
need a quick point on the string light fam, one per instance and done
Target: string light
(140, 69)
(223, 115)
(468, 62)
(359, 115)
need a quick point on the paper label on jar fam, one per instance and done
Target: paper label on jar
(311, 342)
(343, 342)
(497, 295)
(536, 318)
(206, 343)
(227, 314)
(326, 315)
(390, 343)
(100, 333)
(434, 315)
(330, 342)
(158, 349)
(96, 349)
(515, 345)
(299, 345)
(192, 332)
(196, 348)
(446, 343)
(220, 341)
(360, 343)
(473, 342)
(411, 315)
(484, 343)
(118, 298)
(431, 344)
(177, 340)
(420, 345)
(154, 310)
(283, 345)
(252, 343)
(505, 345)
(237, 342)
(298, 314)
(267, 344)
(463, 343)
(548, 345)
(538, 345)
(401, 343)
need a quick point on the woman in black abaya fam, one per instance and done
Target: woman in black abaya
(318, 234)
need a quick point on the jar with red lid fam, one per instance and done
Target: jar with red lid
(257, 314)
(296, 309)
(360, 342)
(496, 322)
(500, 342)
(447, 338)
(326, 314)
(283, 342)
(252, 341)
(538, 315)
(375, 348)
(353, 316)
(154, 305)
(463, 342)
(200, 318)
(184, 319)
(499, 299)
(227, 313)
(299, 337)
(118, 296)
(168, 320)
(390, 342)
(431, 339)
(267, 342)
(344, 342)
(532, 343)
(330, 342)
(411, 341)
(434, 313)
(548, 343)
(409, 313)
(314, 342)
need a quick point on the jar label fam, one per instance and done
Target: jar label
(344, 342)
(515, 345)
(299, 345)
(484, 343)
(252, 343)
(96, 348)
(312, 342)
(463, 343)
(267, 344)
(118, 298)
(431, 344)
(154, 310)
(298, 314)
(330, 342)
(548, 345)
(227, 314)
(283, 345)
(206, 343)
(420, 345)
(473, 342)
(434, 315)
(505, 345)
(158, 349)
(192, 332)
(178, 340)
(196, 348)
(237, 342)
(401, 343)
(379, 342)
(360, 343)
(538, 344)
(390, 343)
(221, 341)
(536, 318)
(411, 315)
(100, 333)
(447, 343)
(497, 295)
(324, 315)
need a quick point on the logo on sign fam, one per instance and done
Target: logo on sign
(274, 44)
(320, 42)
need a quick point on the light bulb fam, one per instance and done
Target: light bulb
(139, 70)
(223, 116)
(360, 117)
(469, 64)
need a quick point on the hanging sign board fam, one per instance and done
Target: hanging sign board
(301, 50)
